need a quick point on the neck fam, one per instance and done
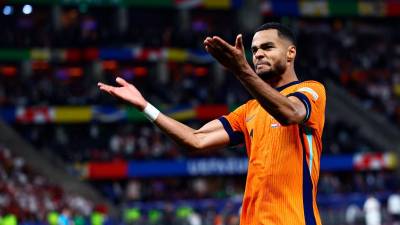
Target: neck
(278, 81)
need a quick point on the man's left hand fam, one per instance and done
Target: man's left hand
(231, 57)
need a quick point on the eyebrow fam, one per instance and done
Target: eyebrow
(253, 47)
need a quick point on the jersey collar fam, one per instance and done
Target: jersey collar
(287, 85)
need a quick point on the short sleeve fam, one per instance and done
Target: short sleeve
(233, 124)
(313, 96)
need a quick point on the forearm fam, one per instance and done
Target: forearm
(179, 132)
(278, 105)
(286, 110)
(210, 136)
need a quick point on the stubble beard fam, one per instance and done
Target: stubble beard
(274, 74)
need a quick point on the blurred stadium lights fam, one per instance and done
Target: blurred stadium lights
(8, 10)
(27, 9)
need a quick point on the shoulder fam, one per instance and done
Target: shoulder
(252, 102)
(311, 87)
(311, 83)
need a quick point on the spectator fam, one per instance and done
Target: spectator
(372, 211)
(393, 207)
(353, 214)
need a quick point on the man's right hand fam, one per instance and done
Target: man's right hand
(210, 136)
(126, 91)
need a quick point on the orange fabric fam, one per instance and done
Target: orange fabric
(274, 186)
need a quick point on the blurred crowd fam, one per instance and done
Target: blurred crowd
(30, 196)
(106, 142)
(75, 26)
(78, 143)
(363, 61)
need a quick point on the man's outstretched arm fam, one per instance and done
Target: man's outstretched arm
(287, 110)
(211, 136)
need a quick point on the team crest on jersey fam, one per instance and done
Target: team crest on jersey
(275, 125)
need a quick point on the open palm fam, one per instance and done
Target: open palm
(231, 57)
(126, 91)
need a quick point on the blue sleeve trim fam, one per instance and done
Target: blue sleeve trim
(235, 137)
(303, 98)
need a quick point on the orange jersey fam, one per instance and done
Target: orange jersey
(284, 161)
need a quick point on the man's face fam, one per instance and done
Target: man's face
(269, 53)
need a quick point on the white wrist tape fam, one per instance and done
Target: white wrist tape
(151, 112)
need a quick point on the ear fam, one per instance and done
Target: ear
(291, 53)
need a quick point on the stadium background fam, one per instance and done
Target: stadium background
(72, 155)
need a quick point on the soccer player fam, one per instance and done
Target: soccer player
(281, 127)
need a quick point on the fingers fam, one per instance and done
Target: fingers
(228, 55)
(207, 40)
(105, 87)
(239, 43)
(221, 44)
(217, 43)
(217, 47)
(111, 89)
(215, 52)
(209, 44)
(121, 81)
